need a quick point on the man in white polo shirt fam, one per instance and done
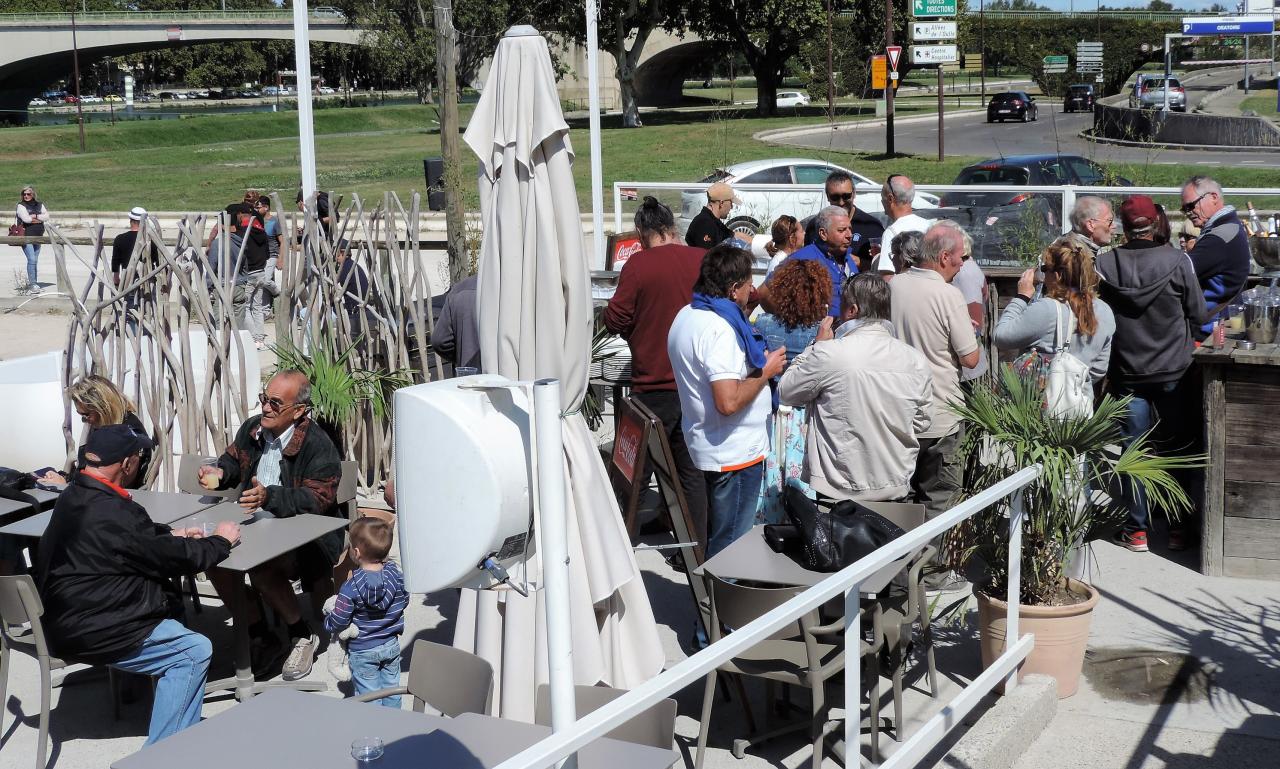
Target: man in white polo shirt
(930, 314)
(722, 372)
(897, 197)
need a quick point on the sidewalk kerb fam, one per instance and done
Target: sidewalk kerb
(1002, 734)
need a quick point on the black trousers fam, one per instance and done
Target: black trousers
(665, 405)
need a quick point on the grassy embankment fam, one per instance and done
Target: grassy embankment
(204, 162)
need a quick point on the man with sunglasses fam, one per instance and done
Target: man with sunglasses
(864, 229)
(284, 464)
(708, 228)
(1221, 255)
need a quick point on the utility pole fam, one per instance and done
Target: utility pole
(447, 74)
(982, 45)
(889, 81)
(940, 110)
(75, 65)
(831, 90)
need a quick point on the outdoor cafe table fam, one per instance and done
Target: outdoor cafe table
(162, 507)
(261, 539)
(42, 498)
(284, 728)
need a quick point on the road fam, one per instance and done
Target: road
(970, 134)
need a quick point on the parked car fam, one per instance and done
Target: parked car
(793, 99)
(71, 99)
(37, 103)
(996, 219)
(90, 99)
(1079, 97)
(1012, 105)
(759, 208)
(113, 98)
(1148, 93)
(325, 90)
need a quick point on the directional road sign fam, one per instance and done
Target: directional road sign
(933, 30)
(1051, 60)
(1226, 25)
(933, 7)
(934, 54)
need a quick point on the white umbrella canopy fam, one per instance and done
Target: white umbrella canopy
(534, 310)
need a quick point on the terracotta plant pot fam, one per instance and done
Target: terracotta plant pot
(1062, 633)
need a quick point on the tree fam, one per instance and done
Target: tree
(1159, 6)
(857, 34)
(624, 27)
(768, 32)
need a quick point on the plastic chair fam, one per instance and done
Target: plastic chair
(20, 605)
(791, 658)
(451, 680)
(655, 727)
(345, 496)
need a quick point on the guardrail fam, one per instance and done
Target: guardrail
(322, 14)
(596, 724)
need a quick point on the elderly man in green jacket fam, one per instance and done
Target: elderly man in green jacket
(284, 464)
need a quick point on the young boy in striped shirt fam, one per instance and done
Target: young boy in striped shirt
(374, 600)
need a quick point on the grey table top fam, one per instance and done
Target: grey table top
(262, 539)
(45, 498)
(283, 728)
(161, 506)
(749, 558)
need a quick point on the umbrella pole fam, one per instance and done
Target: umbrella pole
(306, 131)
(597, 175)
(553, 518)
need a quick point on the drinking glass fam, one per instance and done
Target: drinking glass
(367, 750)
(774, 341)
(211, 463)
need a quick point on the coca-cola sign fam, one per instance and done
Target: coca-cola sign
(622, 247)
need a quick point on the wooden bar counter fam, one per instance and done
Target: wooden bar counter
(1241, 523)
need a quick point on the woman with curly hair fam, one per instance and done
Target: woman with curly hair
(801, 296)
(787, 237)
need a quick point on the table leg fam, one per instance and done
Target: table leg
(242, 682)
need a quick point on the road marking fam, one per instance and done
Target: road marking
(1252, 162)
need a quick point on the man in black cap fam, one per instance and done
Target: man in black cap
(104, 572)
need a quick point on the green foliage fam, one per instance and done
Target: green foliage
(1005, 430)
(338, 388)
(1024, 239)
(1024, 43)
(857, 34)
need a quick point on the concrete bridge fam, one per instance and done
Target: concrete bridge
(36, 49)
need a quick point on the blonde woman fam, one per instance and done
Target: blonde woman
(99, 402)
(31, 214)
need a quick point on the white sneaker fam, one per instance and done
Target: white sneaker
(301, 657)
(33, 291)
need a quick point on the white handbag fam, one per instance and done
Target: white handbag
(1068, 389)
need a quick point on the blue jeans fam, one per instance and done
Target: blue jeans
(1162, 409)
(377, 668)
(32, 250)
(732, 498)
(180, 657)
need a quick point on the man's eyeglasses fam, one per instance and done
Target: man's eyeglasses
(1189, 207)
(839, 197)
(275, 403)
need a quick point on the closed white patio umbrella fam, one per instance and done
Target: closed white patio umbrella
(534, 309)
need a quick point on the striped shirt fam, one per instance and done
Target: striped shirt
(375, 602)
(272, 454)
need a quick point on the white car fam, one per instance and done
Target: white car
(793, 99)
(325, 90)
(37, 103)
(90, 99)
(759, 208)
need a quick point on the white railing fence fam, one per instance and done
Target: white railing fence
(886, 560)
(801, 200)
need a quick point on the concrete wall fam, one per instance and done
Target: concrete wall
(1183, 128)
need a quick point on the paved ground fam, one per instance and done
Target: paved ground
(970, 134)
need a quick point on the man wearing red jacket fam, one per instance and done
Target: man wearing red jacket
(654, 285)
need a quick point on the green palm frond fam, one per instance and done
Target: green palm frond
(1075, 499)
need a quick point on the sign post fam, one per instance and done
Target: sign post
(935, 29)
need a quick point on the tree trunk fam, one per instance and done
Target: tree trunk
(625, 70)
(768, 79)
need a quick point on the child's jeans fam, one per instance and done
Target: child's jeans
(377, 668)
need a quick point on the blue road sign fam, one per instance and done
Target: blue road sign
(1228, 25)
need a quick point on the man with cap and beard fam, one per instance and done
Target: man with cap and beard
(1158, 305)
(105, 573)
(708, 228)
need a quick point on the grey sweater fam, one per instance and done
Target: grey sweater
(1025, 326)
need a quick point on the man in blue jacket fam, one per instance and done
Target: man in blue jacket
(1221, 255)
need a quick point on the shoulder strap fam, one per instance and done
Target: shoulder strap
(1063, 329)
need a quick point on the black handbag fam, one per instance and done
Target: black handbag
(833, 539)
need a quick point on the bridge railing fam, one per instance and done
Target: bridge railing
(175, 17)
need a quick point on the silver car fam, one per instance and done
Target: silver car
(1148, 93)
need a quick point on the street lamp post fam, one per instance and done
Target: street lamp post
(75, 66)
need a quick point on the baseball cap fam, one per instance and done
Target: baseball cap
(721, 191)
(137, 213)
(1138, 211)
(110, 444)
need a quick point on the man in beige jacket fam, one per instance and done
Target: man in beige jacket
(868, 395)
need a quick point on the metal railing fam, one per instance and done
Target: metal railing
(176, 17)
(847, 581)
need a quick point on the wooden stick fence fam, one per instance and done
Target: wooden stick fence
(144, 332)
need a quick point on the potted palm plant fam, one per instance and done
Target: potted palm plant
(1074, 501)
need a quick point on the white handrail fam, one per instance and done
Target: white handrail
(599, 722)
